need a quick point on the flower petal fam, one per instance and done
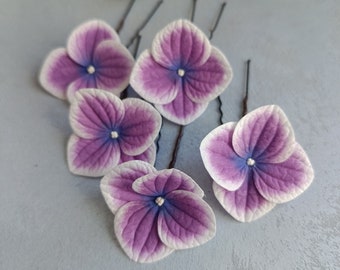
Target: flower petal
(113, 64)
(284, 181)
(91, 157)
(86, 81)
(245, 204)
(265, 135)
(222, 163)
(149, 156)
(181, 44)
(182, 110)
(185, 220)
(95, 113)
(139, 127)
(207, 82)
(154, 82)
(85, 38)
(116, 185)
(136, 229)
(57, 72)
(162, 182)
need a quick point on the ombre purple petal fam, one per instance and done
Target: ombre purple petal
(85, 38)
(162, 182)
(135, 226)
(265, 135)
(180, 44)
(85, 81)
(225, 167)
(140, 126)
(154, 82)
(116, 185)
(245, 204)
(113, 64)
(95, 113)
(91, 157)
(206, 82)
(282, 182)
(149, 156)
(182, 110)
(185, 220)
(57, 72)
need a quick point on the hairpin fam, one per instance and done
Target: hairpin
(256, 162)
(94, 58)
(109, 131)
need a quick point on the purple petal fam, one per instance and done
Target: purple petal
(154, 82)
(164, 181)
(265, 135)
(116, 186)
(57, 72)
(136, 229)
(148, 156)
(284, 181)
(219, 158)
(206, 82)
(182, 110)
(85, 81)
(181, 44)
(185, 220)
(113, 64)
(245, 204)
(85, 38)
(91, 157)
(139, 127)
(96, 113)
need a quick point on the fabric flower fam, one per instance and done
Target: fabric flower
(93, 58)
(181, 73)
(256, 163)
(156, 212)
(109, 131)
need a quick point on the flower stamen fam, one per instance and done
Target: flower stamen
(159, 201)
(180, 72)
(90, 69)
(250, 162)
(114, 134)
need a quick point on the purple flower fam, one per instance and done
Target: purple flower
(156, 212)
(256, 163)
(93, 58)
(109, 131)
(181, 73)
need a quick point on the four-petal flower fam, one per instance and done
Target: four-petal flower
(94, 58)
(109, 131)
(181, 73)
(156, 212)
(256, 163)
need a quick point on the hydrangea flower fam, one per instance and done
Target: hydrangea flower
(181, 73)
(109, 131)
(93, 58)
(256, 163)
(156, 212)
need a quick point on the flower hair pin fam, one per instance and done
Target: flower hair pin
(109, 131)
(256, 163)
(94, 58)
(156, 212)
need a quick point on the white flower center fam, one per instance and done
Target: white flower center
(250, 162)
(159, 201)
(114, 134)
(91, 69)
(180, 72)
